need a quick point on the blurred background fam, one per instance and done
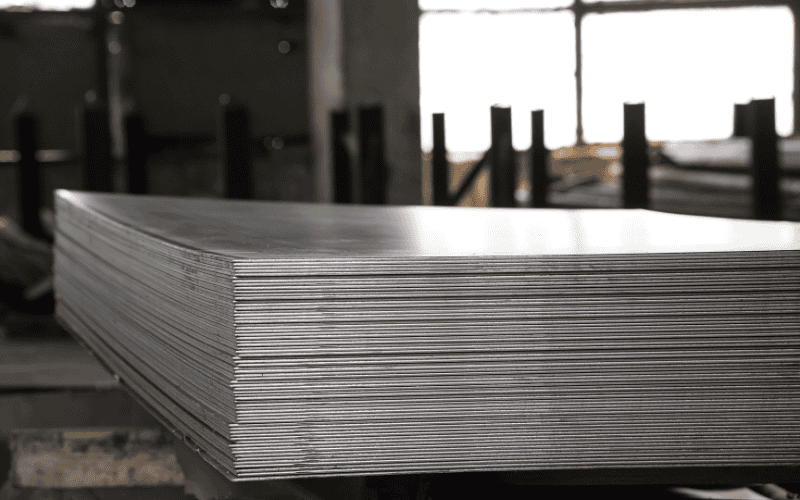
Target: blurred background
(292, 62)
(580, 61)
(334, 100)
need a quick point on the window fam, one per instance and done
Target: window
(470, 61)
(46, 4)
(689, 65)
(494, 5)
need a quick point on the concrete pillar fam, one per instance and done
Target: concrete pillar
(381, 66)
(326, 91)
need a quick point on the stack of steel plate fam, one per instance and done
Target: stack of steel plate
(715, 178)
(297, 340)
(698, 178)
(727, 154)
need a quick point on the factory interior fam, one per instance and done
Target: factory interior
(469, 107)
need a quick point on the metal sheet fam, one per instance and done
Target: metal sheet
(296, 340)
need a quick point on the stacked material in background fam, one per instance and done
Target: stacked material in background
(716, 178)
(297, 340)
(698, 178)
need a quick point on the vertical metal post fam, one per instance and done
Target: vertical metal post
(439, 164)
(635, 161)
(233, 141)
(98, 163)
(767, 203)
(28, 174)
(342, 169)
(795, 8)
(100, 31)
(537, 176)
(741, 120)
(372, 155)
(503, 159)
(136, 154)
(579, 8)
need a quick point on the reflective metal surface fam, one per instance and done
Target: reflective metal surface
(295, 340)
(242, 229)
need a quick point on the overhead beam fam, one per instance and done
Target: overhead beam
(632, 6)
(648, 5)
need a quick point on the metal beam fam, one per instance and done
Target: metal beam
(235, 149)
(649, 5)
(439, 163)
(537, 176)
(374, 181)
(28, 174)
(579, 10)
(136, 154)
(767, 201)
(96, 145)
(795, 6)
(342, 165)
(635, 162)
(100, 32)
(503, 159)
(741, 120)
(631, 6)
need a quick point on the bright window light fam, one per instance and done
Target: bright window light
(469, 62)
(689, 67)
(47, 4)
(684, 2)
(492, 5)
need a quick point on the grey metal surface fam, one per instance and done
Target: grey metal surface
(294, 340)
(296, 231)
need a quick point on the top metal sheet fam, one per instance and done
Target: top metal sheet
(303, 231)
